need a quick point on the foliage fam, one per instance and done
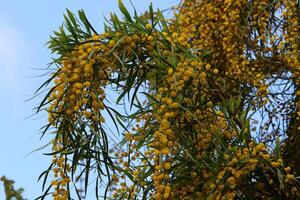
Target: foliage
(10, 192)
(213, 96)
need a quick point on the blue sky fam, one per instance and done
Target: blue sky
(25, 27)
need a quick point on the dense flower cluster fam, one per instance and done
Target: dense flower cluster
(60, 170)
(78, 95)
(206, 72)
(190, 130)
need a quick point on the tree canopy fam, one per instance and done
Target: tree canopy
(210, 90)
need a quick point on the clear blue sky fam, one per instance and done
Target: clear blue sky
(25, 27)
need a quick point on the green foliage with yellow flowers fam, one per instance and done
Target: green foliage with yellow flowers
(211, 98)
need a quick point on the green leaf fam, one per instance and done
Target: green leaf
(86, 22)
(71, 17)
(71, 28)
(124, 11)
(162, 21)
(277, 148)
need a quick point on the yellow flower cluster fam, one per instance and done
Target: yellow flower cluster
(60, 169)
(79, 91)
(189, 92)
(80, 82)
(78, 95)
(194, 141)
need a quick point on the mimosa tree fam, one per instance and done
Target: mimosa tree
(210, 95)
